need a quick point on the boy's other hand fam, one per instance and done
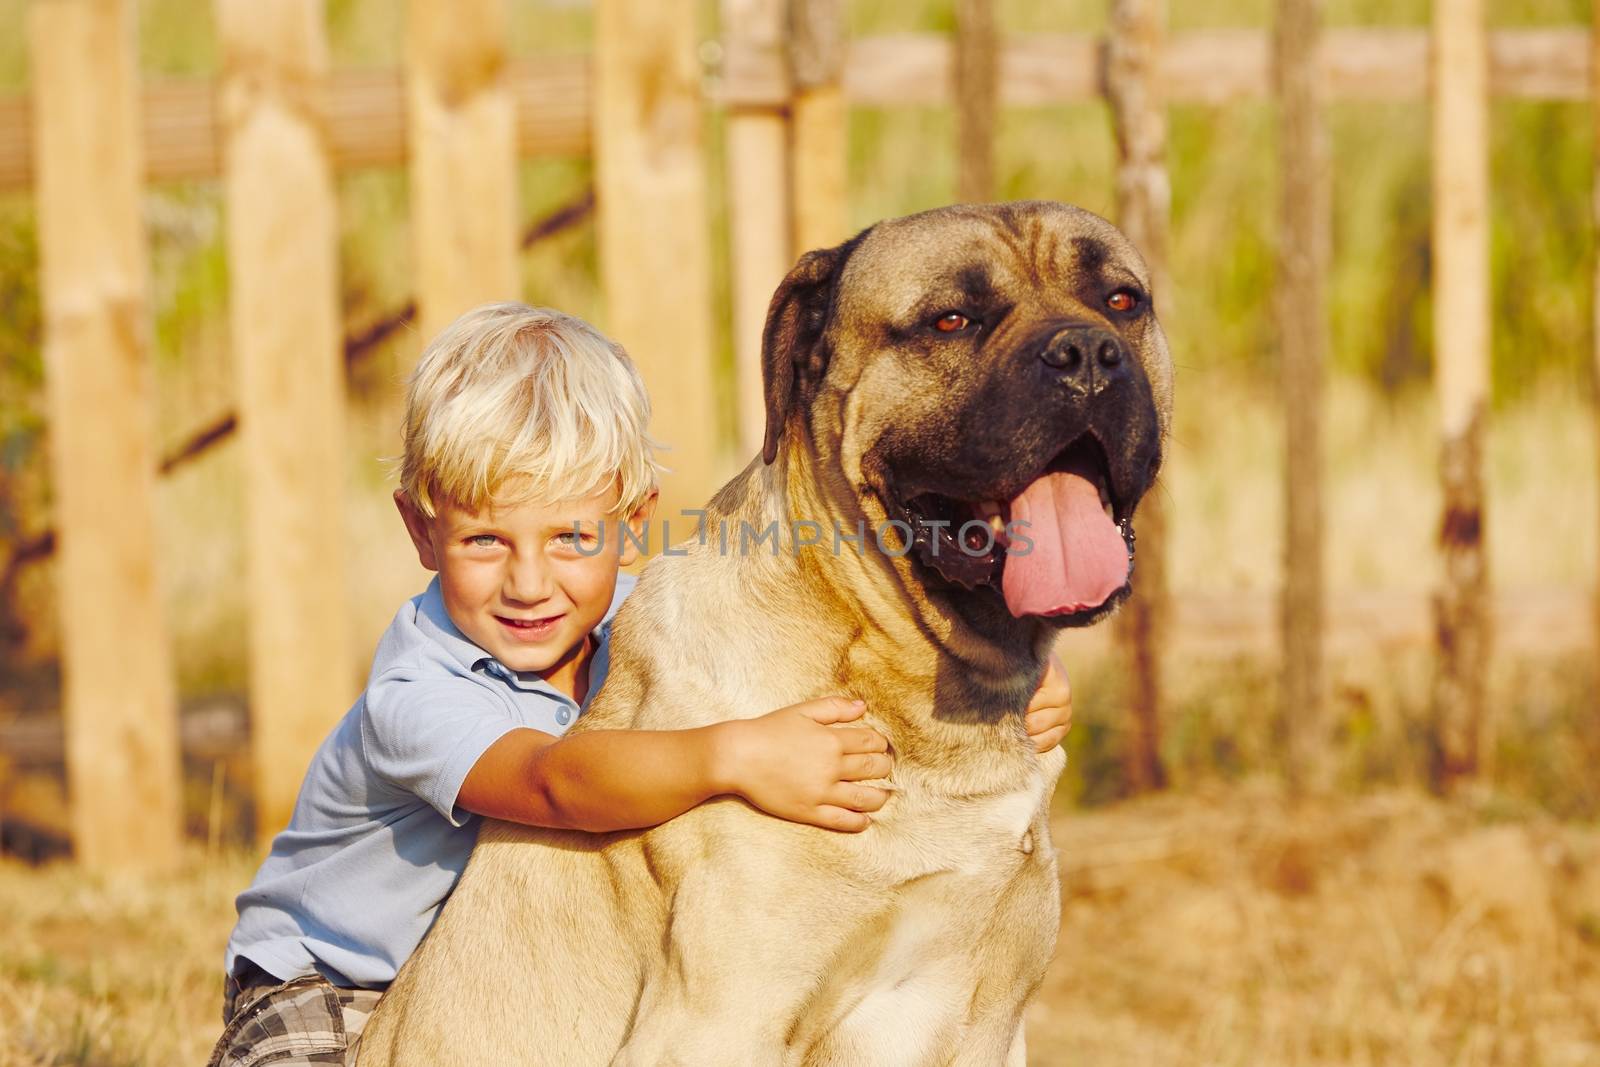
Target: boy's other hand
(797, 764)
(1049, 715)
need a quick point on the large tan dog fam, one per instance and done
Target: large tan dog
(939, 368)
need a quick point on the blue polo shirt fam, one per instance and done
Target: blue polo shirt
(376, 842)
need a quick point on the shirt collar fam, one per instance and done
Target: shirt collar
(434, 620)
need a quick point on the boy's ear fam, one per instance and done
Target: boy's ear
(418, 527)
(638, 523)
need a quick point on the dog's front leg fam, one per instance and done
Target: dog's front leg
(1018, 1056)
(699, 1043)
(744, 947)
(689, 1017)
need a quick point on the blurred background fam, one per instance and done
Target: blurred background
(1331, 792)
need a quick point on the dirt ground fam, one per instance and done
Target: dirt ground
(1219, 928)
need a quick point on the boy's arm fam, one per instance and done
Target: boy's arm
(791, 763)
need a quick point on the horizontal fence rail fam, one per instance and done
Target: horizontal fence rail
(364, 112)
(1212, 67)
(365, 109)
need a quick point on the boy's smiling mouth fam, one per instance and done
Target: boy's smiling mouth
(529, 629)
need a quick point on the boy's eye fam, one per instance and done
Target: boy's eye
(483, 540)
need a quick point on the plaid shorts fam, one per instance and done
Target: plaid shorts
(304, 1021)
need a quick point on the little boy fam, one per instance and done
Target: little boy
(524, 432)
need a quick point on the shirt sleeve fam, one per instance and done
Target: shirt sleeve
(425, 734)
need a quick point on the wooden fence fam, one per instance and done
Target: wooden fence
(278, 124)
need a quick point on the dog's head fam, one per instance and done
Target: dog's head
(993, 381)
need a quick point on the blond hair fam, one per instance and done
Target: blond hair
(509, 391)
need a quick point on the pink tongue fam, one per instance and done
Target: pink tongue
(1078, 558)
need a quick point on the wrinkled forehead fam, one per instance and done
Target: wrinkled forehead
(970, 250)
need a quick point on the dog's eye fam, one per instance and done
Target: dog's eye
(1122, 301)
(951, 322)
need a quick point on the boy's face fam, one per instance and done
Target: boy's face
(515, 581)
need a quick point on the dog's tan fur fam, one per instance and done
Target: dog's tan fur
(727, 936)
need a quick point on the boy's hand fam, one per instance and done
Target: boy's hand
(794, 764)
(1050, 711)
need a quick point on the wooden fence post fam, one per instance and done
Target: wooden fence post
(1461, 377)
(123, 771)
(1303, 243)
(1144, 197)
(655, 243)
(977, 80)
(287, 338)
(759, 223)
(821, 124)
(1594, 95)
(461, 122)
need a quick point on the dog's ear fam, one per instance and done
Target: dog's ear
(791, 342)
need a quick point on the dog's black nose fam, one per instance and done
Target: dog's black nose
(1089, 355)
(1085, 359)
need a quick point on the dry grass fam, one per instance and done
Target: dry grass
(1217, 928)
(1390, 929)
(114, 971)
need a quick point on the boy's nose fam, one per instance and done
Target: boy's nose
(528, 581)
